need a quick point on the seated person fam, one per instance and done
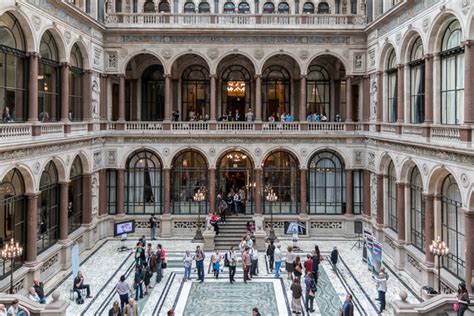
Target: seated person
(6, 117)
(3, 310)
(17, 310)
(32, 295)
(79, 285)
(39, 288)
(250, 228)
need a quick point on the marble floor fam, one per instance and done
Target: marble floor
(103, 265)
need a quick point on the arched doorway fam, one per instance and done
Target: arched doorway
(281, 172)
(12, 215)
(196, 93)
(276, 91)
(48, 208)
(236, 91)
(153, 94)
(75, 194)
(235, 176)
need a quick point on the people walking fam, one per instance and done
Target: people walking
(310, 292)
(271, 255)
(138, 281)
(254, 263)
(216, 263)
(297, 293)
(188, 262)
(463, 299)
(199, 256)
(381, 289)
(246, 264)
(348, 306)
(334, 258)
(278, 258)
(290, 258)
(123, 288)
(232, 259)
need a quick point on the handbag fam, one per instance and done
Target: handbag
(163, 265)
(311, 293)
(456, 307)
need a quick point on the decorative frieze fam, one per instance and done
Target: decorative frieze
(414, 262)
(145, 224)
(36, 151)
(49, 263)
(276, 224)
(190, 224)
(389, 242)
(325, 225)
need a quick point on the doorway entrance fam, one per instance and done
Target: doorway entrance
(235, 183)
(236, 91)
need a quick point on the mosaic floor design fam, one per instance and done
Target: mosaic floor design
(327, 299)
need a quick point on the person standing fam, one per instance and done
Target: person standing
(147, 274)
(158, 264)
(315, 259)
(153, 222)
(188, 262)
(131, 309)
(254, 258)
(381, 289)
(310, 291)
(232, 258)
(463, 299)
(297, 292)
(334, 258)
(308, 264)
(297, 268)
(138, 282)
(348, 306)
(216, 263)
(246, 264)
(123, 288)
(271, 255)
(278, 258)
(115, 310)
(290, 258)
(199, 256)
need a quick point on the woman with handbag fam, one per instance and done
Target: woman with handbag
(463, 300)
(310, 292)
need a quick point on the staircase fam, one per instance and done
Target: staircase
(231, 233)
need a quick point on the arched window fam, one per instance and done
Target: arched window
(353, 6)
(76, 85)
(276, 91)
(149, 6)
(391, 72)
(164, 7)
(308, 7)
(12, 216)
(235, 176)
(326, 184)
(236, 90)
(268, 7)
(204, 7)
(452, 76)
(244, 7)
(144, 183)
(195, 93)
(48, 208)
(318, 91)
(392, 198)
(118, 6)
(13, 86)
(281, 173)
(188, 174)
(189, 7)
(75, 196)
(153, 94)
(417, 211)
(323, 8)
(453, 228)
(417, 83)
(283, 8)
(229, 7)
(48, 80)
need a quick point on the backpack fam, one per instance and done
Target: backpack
(79, 301)
(226, 260)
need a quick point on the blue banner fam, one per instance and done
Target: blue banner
(75, 260)
(377, 257)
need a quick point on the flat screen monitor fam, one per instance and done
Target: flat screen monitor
(295, 228)
(126, 227)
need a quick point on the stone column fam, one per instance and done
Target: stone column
(303, 192)
(121, 111)
(120, 192)
(428, 94)
(63, 216)
(168, 97)
(86, 199)
(87, 95)
(258, 191)
(400, 96)
(302, 109)
(380, 198)
(401, 211)
(366, 101)
(213, 100)
(466, 131)
(429, 226)
(349, 106)
(103, 97)
(469, 235)
(380, 100)
(33, 93)
(65, 92)
(31, 229)
(349, 193)
(167, 189)
(103, 192)
(367, 194)
(258, 98)
(212, 189)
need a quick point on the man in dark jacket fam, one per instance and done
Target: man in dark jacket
(348, 307)
(270, 254)
(316, 262)
(334, 258)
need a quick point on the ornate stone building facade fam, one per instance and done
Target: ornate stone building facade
(120, 109)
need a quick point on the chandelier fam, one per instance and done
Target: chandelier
(236, 88)
(11, 250)
(271, 195)
(236, 157)
(200, 195)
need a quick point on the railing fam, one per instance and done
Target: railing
(78, 127)
(15, 131)
(415, 130)
(445, 133)
(190, 126)
(52, 129)
(388, 128)
(144, 126)
(326, 126)
(224, 19)
(281, 126)
(235, 126)
(112, 126)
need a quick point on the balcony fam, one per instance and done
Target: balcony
(208, 20)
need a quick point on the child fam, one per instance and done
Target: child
(216, 263)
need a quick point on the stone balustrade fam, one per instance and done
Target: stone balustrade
(15, 132)
(446, 133)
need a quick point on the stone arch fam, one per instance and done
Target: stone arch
(240, 54)
(407, 43)
(345, 62)
(384, 53)
(60, 167)
(126, 156)
(60, 42)
(172, 65)
(384, 162)
(227, 150)
(86, 169)
(436, 178)
(279, 148)
(30, 41)
(84, 52)
(345, 160)
(470, 27)
(470, 201)
(406, 169)
(181, 150)
(130, 56)
(27, 175)
(273, 55)
(438, 27)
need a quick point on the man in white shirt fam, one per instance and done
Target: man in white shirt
(254, 257)
(278, 257)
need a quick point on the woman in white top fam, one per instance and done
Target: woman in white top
(290, 257)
